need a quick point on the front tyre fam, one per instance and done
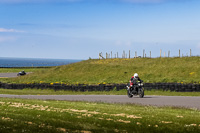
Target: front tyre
(130, 95)
(141, 95)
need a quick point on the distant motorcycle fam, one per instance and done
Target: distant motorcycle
(135, 90)
(22, 73)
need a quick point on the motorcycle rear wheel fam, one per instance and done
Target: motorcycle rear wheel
(129, 94)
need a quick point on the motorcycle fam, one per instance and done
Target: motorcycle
(21, 73)
(135, 90)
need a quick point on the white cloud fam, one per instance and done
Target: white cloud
(9, 30)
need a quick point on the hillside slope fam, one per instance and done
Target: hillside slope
(185, 70)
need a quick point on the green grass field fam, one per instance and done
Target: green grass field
(19, 115)
(186, 70)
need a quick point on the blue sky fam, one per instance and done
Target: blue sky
(79, 29)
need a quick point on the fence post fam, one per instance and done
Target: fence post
(129, 54)
(168, 54)
(160, 53)
(150, 54)
(135, 54)
(190, 52)
(143, 52)
(111, 54)
(179, 53)
(99, 56)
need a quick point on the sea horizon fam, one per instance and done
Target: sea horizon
(34, 62)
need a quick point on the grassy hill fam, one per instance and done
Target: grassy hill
(96, 71)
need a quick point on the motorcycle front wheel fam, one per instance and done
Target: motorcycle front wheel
(141, 94)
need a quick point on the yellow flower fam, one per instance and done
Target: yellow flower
(51, 83)
(192, 73)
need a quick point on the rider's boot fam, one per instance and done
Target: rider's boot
(127, 87)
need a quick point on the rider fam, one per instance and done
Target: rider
(134, 80)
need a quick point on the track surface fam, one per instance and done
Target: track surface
(10, 75)
(175, 101)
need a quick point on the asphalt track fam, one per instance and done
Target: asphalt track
(10, 75)
(174, 101)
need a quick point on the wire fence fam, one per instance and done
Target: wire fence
(144, 54)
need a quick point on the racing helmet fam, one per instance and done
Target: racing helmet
(136, 75)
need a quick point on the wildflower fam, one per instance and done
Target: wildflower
(166, 122)
(192, 73)
(123, 121)
(30, 123)
(179, 116)
(193, 124)
(61, 129)
(79, 117)
(134, 117)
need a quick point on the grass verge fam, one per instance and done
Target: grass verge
(20, 115)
